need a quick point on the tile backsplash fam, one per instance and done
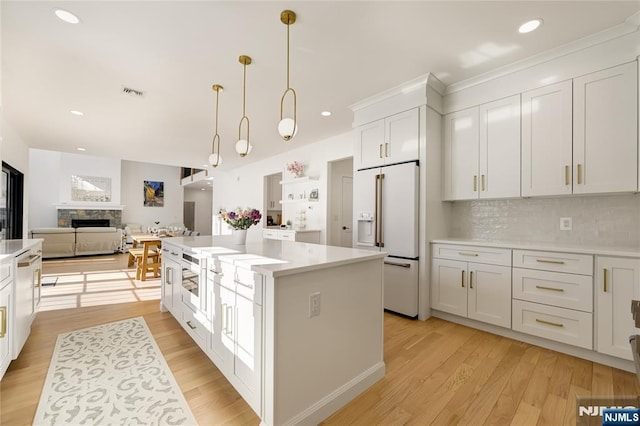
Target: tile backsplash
(611, 220)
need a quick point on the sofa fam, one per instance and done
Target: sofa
(69, 242)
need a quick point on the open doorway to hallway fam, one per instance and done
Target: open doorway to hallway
(340, 208)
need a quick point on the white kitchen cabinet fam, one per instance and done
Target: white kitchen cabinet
(482, 151)
(605, 131)
(475, 290)
(393, 139)
(6, 314)
(617, 283)
(305, 236)
(547, 140)
(171, 279)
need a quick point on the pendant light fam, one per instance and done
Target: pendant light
(215, 159)
(288, 127)
(243, 146)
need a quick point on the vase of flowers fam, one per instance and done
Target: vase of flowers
(240, 220)
(295, 169)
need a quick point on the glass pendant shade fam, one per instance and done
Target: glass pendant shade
(287, 128)
(215, 159)
(241, 147)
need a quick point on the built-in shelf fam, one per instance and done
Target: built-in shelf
(298, 200)
(298, 180)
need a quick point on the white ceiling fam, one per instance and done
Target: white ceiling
(341, 52)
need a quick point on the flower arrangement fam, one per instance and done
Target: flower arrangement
(241, 218)
(295, 168)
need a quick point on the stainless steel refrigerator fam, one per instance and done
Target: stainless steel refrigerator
(386, 215)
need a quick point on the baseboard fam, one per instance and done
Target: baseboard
(337, 399)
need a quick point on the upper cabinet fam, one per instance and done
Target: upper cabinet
(390, 140)
(580, 136)
(482, 151)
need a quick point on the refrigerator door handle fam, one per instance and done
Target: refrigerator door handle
(375, 212)
(402, 265)
(381, 220)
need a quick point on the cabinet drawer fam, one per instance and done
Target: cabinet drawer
(249, 285)
(214, 268)
(288, 236)
(5, 272)
(552, 261)
(563, 325)
(172, 252)
(270, 234)
(553, 288)
(193, 323)
(226, 276)
(493, 256)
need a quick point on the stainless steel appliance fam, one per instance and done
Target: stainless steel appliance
(193, 280)
(386, 203)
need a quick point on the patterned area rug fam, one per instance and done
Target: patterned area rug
(111, 374)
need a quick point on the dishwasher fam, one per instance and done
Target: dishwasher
(27, 296)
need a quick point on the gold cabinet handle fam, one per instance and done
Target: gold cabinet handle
(471, 280)
(475, 183)
(567, 175)
(464, 253)
(380, 151)
(555, 324)
(191, 326)
(604, 275)
(462, 280)
(542, 287)
(555, 262)
(483, 186)
(3, 314)
(579, 174)
(386, 149)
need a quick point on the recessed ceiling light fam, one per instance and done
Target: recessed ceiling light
(527, 27)
(81, 148)
(325, 113)
(75, 112)
(67, 16)
(201, 189)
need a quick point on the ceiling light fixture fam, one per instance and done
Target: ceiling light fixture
(78, 113)
(243, 146)
(67, 16)
(325, 113)
(288, 127)
(215, 159)
(529, 26)
(81, 148)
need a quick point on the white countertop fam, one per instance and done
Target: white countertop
(527, 245)
(277, 228)
(275, 257)
(15, 247)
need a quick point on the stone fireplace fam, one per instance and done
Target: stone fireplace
(65, 216)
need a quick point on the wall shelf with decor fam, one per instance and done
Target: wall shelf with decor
(298, 180)
(299, 200)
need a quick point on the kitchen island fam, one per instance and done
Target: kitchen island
(296, 328)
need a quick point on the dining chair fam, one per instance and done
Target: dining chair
(148, 259)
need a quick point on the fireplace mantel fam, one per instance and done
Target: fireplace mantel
(88, 207)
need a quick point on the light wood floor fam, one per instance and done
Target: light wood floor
(437, 373)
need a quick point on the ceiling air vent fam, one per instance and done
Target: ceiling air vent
(132, 92)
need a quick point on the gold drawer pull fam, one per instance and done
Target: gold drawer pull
(191, 326)
(483, 186)
(3, 312)
(567, 175)
(471, 279)
(464, 253)
(604, 273)
(555, 262)
(462, 281)
(541, 287)
(475, 183)
(579, 174)
(380, 151)
(555, 324)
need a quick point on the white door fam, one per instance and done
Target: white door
(371, 144)
(617, 283)
(461, 155)
(605, 131)
(449, 286)
(401, 137)
(217, 350)
(5, 335)
(489, 294)
(546, 140)
(248, 355)
(500, 149)
(399, 210)
(346, 212)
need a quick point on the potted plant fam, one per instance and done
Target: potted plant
(240, 220)
(296, 169)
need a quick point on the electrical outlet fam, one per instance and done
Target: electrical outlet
(566, 224)
(314, 305)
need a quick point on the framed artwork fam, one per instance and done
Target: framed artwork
(153, 193)
(91, 188)
(313, 195)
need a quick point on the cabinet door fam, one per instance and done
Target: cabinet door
(220, 346)
(489, 294)
(546, 140)
(5, 334)
(167, 279)
(500, 148)
(370, 144)
(617, 283)
(401, 137)
(247, 362)
(605, 131)
(461, 155)
(449, 286)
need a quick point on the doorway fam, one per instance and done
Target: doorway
(11, 203)
(340, 209)
(189, 215)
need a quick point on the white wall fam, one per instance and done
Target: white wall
(132, 195)
(203, 202)
(243, 186)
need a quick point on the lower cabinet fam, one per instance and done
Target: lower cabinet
(617, 283)
(477, 291)
(171, 277)
(6, 313)
(291, 235)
